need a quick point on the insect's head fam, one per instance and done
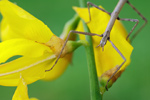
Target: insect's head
(102, 43)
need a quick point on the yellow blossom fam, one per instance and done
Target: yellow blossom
(107, 60)
(23, 34)
(21, 92)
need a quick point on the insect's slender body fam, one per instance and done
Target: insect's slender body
(114, 16)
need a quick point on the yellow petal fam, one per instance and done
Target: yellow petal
(80, 28)
(17, 23)
(33, 99)
(22, 47)
(32, 69)
(99, 21)
(59, 68)
(21, 92)
(109, 58)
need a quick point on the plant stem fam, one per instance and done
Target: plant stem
(82, 3)
(94, 85)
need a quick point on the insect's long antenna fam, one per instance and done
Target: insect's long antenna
(72, 31)
(119, 66)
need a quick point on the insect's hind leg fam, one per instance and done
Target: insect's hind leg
(91, 4)
(132, 20)
(119, 66)
(72, 31)
(141, 17)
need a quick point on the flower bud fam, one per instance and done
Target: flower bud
(106, 76)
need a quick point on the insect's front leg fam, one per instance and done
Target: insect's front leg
(75, 32)
(119, 65)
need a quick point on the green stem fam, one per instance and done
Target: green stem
(82, 3)
(94, 85)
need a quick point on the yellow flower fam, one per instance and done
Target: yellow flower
(107, 60)
(23, 34)
(21, 92)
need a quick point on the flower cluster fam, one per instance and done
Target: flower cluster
(24, 35)
(29, 38)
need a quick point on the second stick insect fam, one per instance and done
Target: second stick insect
(106, 35)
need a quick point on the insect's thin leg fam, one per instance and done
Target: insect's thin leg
(88, 5)
(132, 20)
(119, 66)
(76, 32)
(141, 17)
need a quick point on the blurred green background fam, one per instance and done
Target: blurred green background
(134, 83)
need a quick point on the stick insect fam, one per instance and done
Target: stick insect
(106, 35)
